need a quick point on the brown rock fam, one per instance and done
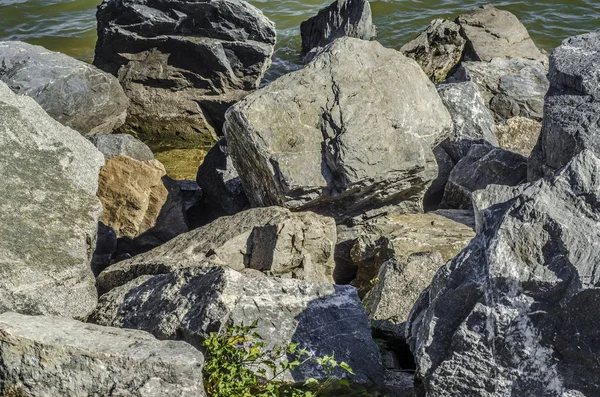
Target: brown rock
(519, 134)
(132, 194)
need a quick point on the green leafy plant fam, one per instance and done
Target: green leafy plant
(238, 364)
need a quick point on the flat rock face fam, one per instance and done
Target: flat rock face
(352, 131)
(572, 107)
(48, 213)
(438, 50)
(350, 18)
(182, 64)
(73, 92)
(519, 134)
(493, 33)
(273, 240)
(483, 166)
(515, 313)
(190, 303)
(112, 145)
(49, 356)
(132, 194)
(510, 87)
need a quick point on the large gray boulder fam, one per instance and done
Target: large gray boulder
(273, 240)
(182, 64)
(515, 313)
(438, 50)
(351, 132)
(48, 213)
(350, 18)
(50, 356)
(483, 166)
(190, 303)
(73, 92)
(510, 87)
(572, 109)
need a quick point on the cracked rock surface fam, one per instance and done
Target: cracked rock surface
(351, 132)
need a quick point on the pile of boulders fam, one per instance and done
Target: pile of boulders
(350, 201)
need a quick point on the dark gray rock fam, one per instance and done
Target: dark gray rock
(112, 145)
(190, 303)
(515, 313)
(182, 64)
(106, 247)
(73, 92)
(438, 50)
(48, 356)
(220, 181)
(483, 166)
(350, 18)
(49, 212)
(445, 164)
(350, 133)
(572, 108)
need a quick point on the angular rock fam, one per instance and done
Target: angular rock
(473, 121)
(48, 212)
(73, 92)
(342, 18)
(483, 166)
(438, 50)
(49, 356)
(190, 303)
(350, 133)
(273, 240)
(572, 107)
(510, 87)
(182, 64)
(132, 194)
(220, 181)
(519, 134)
(515, 312)
(493, 33)
(112, 145)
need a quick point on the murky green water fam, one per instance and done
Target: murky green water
(69, 25)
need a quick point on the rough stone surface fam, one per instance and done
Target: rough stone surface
(572, 108)
(483, 166)
(350, 18)
(48, 212)
(351, 132)
(510, 87)
(438, 50)
(190, 303)
(182, 64)
(112, 145)
(519, 134)
(132, 194)
(220, 181)
(273, 240)
(399, 384)
(493, 33)
(73, 92)
(515, 313)
(49, 356)
(398, 286)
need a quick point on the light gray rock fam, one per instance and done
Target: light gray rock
(48, 211)
(182, 63)
(438, 50)
(510, 87)
(515, 313)
(351, 132)
(473, 121)
(572, 108)
(483, 166)
(50, 356)
(493, 33)
(273, 240)
(73, 92)
(350, 18)
(190, 303)
(112, 145)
